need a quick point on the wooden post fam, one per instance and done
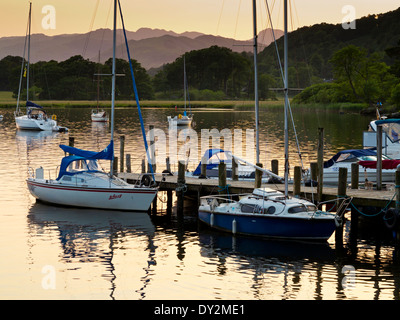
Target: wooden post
(128, 163)
(355, 167)
(222, 177)
(152, 149)
(342, 184)
(71, 143)
(115, 166)
(181, 183)
(204, 166)
(297, 181)
(169, 202)
(314, 171)
(397, 188)
(121, 153)
(275, 166)
(257, 179)
(235, 170)
(379, 157)
(168, 164)
(143, 166)
(320, 162)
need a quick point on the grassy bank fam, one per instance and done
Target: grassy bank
(7, 101)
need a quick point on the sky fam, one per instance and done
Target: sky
(227, 18)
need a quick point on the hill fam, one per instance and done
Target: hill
(151, 47)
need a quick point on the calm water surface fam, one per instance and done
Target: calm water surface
(52, 252)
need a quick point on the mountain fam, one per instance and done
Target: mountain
(151, 47)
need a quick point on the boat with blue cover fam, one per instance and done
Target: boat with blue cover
(80, 183)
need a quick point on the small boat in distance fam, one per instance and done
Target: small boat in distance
(35, 118)
(97, 114)
(182, 120)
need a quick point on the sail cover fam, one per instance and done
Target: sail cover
(30, 104)
(106, 154)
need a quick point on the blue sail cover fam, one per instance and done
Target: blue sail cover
(30, 104)
(89, 157)
(208, 154)
(106, 154)
(352, 153)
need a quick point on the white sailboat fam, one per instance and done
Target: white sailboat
(185, 119)
(98, 115)
(36, 117)
(267, 212)
(80, 183)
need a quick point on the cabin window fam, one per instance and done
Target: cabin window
(270, 210)
(297, 209)
(67, 178)
(247, 208)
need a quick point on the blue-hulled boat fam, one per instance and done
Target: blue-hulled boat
(267, 213)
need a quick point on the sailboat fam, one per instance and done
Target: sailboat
(80, 183)
(36, 117)
(185, 119)
(267, 212)
(98, 115)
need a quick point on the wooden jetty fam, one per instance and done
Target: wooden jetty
(361, 197)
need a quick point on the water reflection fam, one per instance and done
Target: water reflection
(97, 237)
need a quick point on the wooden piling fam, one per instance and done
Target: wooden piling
(115, 166)
(320, 162)
(354, 175)
(204, 166)
(314, 171)
(180, 187)
(235, 170)
(168, 164)
(275, 166)
(297, 181)
(397, 187)
(121, 153)
(128, 163)
(222, 178)
(71, 143)
(143, 165)
(258, 176)
(342, 183)
(378, 157)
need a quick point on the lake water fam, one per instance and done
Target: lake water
(52, 252)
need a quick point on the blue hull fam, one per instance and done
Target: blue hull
(270, 226)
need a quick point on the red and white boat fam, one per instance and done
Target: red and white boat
(81, 184)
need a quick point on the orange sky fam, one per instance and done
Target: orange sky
(228, 18)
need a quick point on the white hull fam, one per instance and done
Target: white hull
(125, 198)
(332, 177)
(99, 116)
(184, 121)
(26, 123)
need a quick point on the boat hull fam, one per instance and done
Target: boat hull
(270, 226)
(332, 176)
(25, 123)
(99, 117)
(127, 199)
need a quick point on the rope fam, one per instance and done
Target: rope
(220, 189)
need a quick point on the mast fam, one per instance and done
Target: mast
(256, 80)
(29, 51)
(184, 80)
(113, 85)
(286, 89)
